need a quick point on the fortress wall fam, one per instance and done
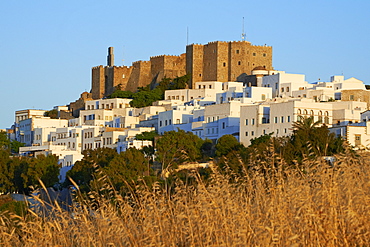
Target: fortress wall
(194, 63)
(140, 76)
(210, 62)
(215, 61)
(222, 61)
(97, 77)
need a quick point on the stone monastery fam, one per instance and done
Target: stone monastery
(215, 61)
(234, 90)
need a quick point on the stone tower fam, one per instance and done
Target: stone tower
(225, 61)
(110, 57)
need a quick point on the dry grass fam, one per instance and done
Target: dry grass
(322, 206)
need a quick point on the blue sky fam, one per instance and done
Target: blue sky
(47, 48)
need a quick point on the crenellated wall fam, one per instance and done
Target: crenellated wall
(216, 61)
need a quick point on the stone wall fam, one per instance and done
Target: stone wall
(75, 107)
(225, 61)
(356, 95)
(215, 61)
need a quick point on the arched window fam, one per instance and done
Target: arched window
(326, 120)
(311, 113)
(305, 112)
(320, 117)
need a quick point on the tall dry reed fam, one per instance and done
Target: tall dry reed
(315, 205)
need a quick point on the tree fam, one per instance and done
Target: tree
(6, 173)
(226, 144)
(310, 141)
(15, 145)
(146, 135)
(121, 94)
(127, 167)
(4, 141)
(177, 147)
(84, 170)
(44, 168)
(146, 98)
(52, 113)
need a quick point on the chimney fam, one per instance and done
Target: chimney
(110, 57)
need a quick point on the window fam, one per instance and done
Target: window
(224, 64)
(263, 97)
(275, 120)
(252, 121)
(351, 97)
(199, 86)
(287, 89)
(160, 123)
(288, 119)
(282, 90)
(223, 125)
(254, 54)
(264, 54)
(357, 140)
(282, 119)
(252, 133)
(239, 63)
(246, 122)
(177, 121)
(237, 51)
(165, 122)
(326, 120)
(246, 133)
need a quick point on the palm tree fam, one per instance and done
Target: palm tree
(305, 124)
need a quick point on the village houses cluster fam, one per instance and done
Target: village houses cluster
(210, 109)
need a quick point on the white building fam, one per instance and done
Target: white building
(179, 117)
(25, 130)
(284, 84)
(221, 119)
(277, 117)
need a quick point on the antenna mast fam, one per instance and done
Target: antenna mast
(123, 56)
(187, 35)
(244, 36)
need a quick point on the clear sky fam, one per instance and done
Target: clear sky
(47, 48)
